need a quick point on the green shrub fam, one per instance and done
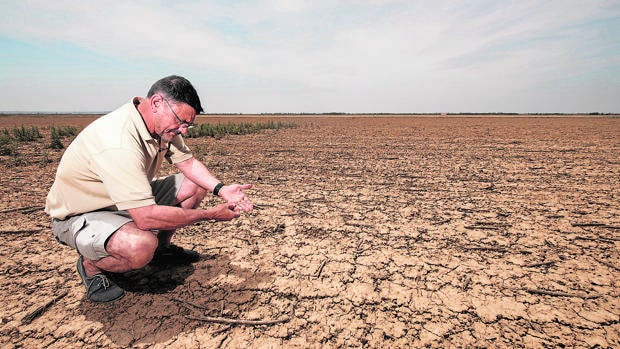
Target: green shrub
(8, 145)
(58, 133)
(23, 134)
(55, 142)
(220, 130)
(67, 131)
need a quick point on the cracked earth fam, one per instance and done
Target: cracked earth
(370, 232)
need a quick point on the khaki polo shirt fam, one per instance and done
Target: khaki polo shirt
(110, 164)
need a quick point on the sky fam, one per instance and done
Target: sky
(321, 56)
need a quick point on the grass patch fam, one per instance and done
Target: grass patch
(23, 134)
(220, 130)
(8, 145)
(10, 140)
(58, 133)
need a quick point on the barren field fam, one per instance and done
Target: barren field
(388, 232)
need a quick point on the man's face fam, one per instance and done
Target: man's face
(174, 118)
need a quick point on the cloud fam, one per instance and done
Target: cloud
(403, 52)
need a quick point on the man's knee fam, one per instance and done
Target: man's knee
(191, 196)
(144, 249)
(136, 247)
(200, 194)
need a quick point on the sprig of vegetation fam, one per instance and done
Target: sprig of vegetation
(220, 130)
(8, 146)
(66, 131)
(9, 139)
(58, 133)
(23, 134)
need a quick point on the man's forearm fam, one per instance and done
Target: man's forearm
(158, 217)
(197, 172)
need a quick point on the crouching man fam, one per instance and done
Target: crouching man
(107, 204)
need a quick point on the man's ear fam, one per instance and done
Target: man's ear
(154, 103)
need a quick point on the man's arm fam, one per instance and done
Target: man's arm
(197, 172)
(169, 217)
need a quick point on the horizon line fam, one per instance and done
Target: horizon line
(93, 113)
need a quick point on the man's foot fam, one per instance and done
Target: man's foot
(99, 288)
(173, 254)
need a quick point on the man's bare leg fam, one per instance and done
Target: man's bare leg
(190, 196)
(164, 237)
(129, 247)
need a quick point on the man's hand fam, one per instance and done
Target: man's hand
(223, 212)
(233, 194)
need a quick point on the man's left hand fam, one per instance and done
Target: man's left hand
(233, 193)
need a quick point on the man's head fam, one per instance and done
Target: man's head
(178, 89)
(174, 104)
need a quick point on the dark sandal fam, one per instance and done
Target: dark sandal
(99, 288)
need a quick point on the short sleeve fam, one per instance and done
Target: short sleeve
(178, 151)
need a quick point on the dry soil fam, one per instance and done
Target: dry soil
(368, 232)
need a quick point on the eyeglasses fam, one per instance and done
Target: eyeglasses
(183, 123)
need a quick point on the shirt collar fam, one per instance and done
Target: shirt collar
(138, 121)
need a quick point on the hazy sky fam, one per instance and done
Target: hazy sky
(315, 56)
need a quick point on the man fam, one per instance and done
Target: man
(105, 202)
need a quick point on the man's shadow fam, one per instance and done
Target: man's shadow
(148, 313)
(157, 277)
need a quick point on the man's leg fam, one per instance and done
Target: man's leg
(106, 241)
(186, 195)
(129, 248)
(178, 191)
(190, 195)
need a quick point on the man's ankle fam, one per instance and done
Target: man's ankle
(89, 268)
(164, 237)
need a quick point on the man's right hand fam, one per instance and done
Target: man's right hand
(222, 212)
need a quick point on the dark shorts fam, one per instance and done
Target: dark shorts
(89, 232)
